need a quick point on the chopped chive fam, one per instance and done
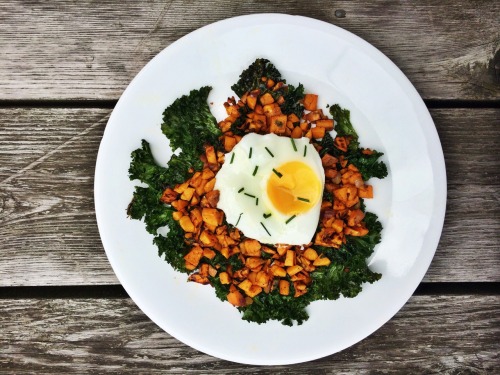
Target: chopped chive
(239, 217)
(232, 159)
(239, 191)
(267, 215)
(303, 199)
(257, 201)
(249, 195)
(290, 219)
(255, 170)
(250, 153)
(293, 144)
(261, 223)
(305, 150)
(269, 151)
(277, 173)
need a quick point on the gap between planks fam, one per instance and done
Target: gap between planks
(97, 103)
(117, 291)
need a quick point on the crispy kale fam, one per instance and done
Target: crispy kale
(144, 168)
(273, 306)
(250, 78)
(343, 125)
(348, 270)
(368, 164)
(189, 125)
(293, 100)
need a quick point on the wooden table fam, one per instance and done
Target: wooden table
(65, 63)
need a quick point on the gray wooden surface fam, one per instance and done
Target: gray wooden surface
(65, 63)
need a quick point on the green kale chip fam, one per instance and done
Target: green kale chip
(145, 169)
(273, 306)
(250, 78)
(293, 100)
(189, 125)
(368, 164)
(348, 270)
(343, 125)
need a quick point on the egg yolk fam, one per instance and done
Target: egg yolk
(293, 188)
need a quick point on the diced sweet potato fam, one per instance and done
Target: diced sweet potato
(194, 255)
(365, 191)
(341, 143)
(310, 254)
(356, 231)
(317, 132)
(272, 110)
(327, 124)
(224, 278)
(329, 161)
(251, 101)
(278, 271)
(207, 238)
(186, 224)
(235, 298)
(284, 287)
(212, 216)
(321, 261)
(211, 156)
(296, 132)
(169, 195)
(253, 262)
(195, 216)
(310, 102)
(181, 187)
(209, 186)
(293, 270)
(229, 143)
(266, 99)
(278, 124)
(208, 253)
(290, 259)
(250, 247)
(245, 285)
(253, 291)
(262, 279)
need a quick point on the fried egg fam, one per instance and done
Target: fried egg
(271, 188)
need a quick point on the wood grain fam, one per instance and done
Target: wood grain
(91, 50)
(431, 335)
(48, 233)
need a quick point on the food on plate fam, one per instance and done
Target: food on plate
(266, 205)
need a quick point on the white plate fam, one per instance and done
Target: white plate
(388, 114)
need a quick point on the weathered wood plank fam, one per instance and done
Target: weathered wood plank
(431, 334)
(91, 50)
(48, 234)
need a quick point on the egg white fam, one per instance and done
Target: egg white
(245, 208)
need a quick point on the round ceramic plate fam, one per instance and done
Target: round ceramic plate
(389, 116)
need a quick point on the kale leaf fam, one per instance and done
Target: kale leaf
(293, 100)
(189, 125)
(273, 306)
(172, 246)
(146, 204)
(368, 164)
(348, 270)
(144, 168)
(343, 125)
(250, 78)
